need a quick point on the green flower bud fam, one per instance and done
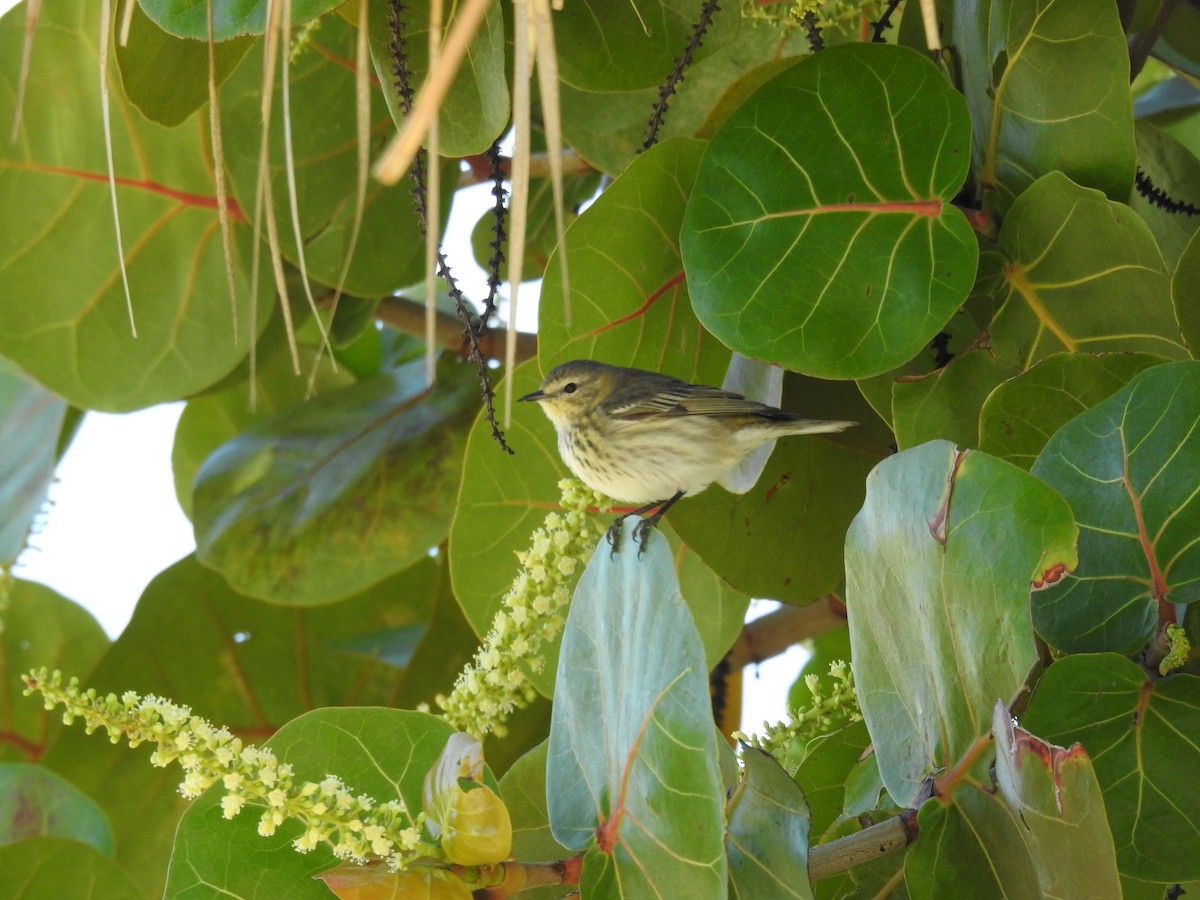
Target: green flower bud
(467, 816)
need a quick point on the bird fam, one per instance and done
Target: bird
(649, 439)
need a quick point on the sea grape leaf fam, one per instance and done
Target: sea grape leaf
(1083, 274)
(1128, 468)
(819, 234)
(41, 628)
(36, 802)
(238, 662)
(61, 867)
(231, 18)
(946, 403)
(767, 836)
(384, 753)
(166, 77)
(68, 324)
(389, 252)
(475, 110)
(615, 45)
(324, 500)
(1141, 737)
(219, 415)
(939, 564)
(1016, 56)
(31, 418)
(1185, 293)
(1020, 415)
(970, 847)
(629, 298)
(608, 128)
(633, 752)
(1174, 170)
(1053, 794)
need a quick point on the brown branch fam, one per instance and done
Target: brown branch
(863, 846)
(774, 633)
(479, 170)
(408, 316)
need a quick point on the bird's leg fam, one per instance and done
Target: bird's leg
(641, 531)
(614, 530)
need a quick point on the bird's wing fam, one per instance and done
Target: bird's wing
(671, 397)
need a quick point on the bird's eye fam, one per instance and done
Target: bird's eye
(569, 388)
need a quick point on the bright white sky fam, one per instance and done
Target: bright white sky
(113, 522)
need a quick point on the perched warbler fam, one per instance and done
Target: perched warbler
(646, 438)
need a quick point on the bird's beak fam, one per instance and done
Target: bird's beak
(539, 394)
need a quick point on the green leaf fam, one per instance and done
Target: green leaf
(946, 403)
(34, 802)
(1021, 414)
(475, 110)
(718, 610)
(1174, 170)
(324, 500)
(238, 662)
(1083, 274)
(41, 628)
(616, 45)
(1184, 289)
(829, 187)
(1054, 795)
(636, 313)
(63, 314)
(1128, 468)
(166, 77)
(31, 418)
(523, 788)
(1141, 737)
(58, 867)
(213, 418)
(938, 568)
(767, 837)
(810, 486)
(633, 754)
(608, 128)
(971, 847)
(824, 773)
(390, 250)
(231, 18)
(383, 753)
(1016, 56)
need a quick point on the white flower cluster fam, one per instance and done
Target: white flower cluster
(840, 708)
(356, 827)
(533, 613)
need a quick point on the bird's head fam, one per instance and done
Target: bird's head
(571, 391)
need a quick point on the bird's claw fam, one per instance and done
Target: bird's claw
(641, 533)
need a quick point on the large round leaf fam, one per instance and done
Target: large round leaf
(30, 420)
(238, 662)
(939, 564)
(384, 753)
(1021, 414)
(633, 750)
(231, 18)
(329, 498)
(1142, 736)
(629, 298)
(389, 253)
(819, 234)
(1128, 468)
(1048, 85)
(63, 312)
(1083, 273)
(615, 45)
